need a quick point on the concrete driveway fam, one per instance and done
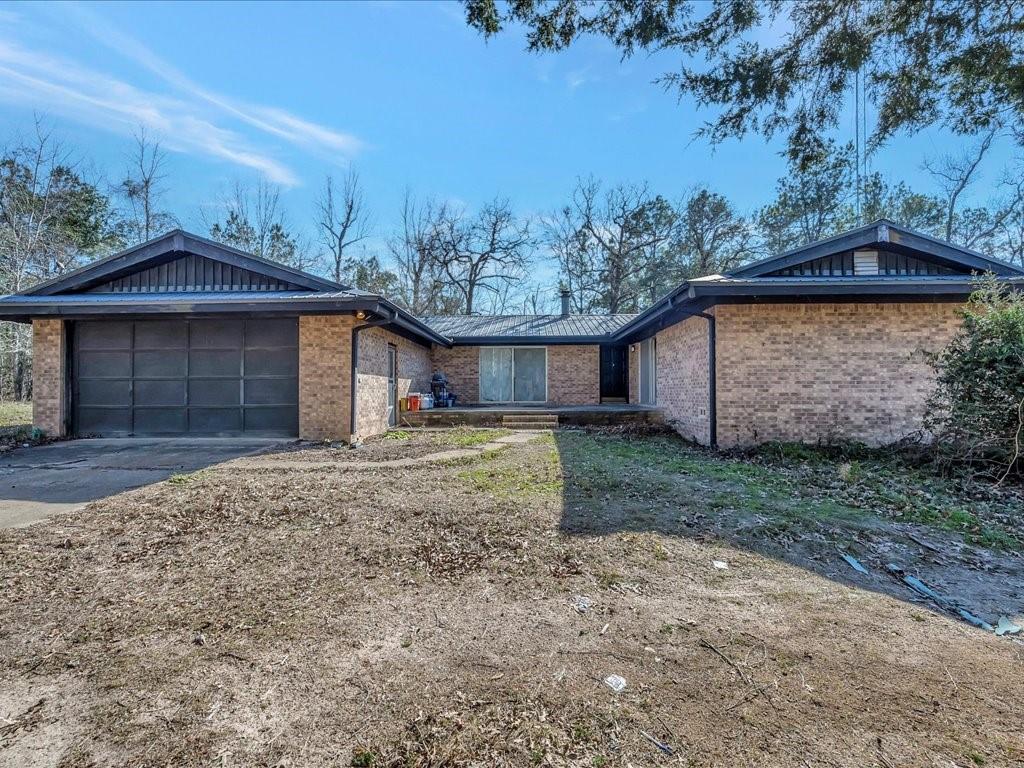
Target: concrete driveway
(39, 481)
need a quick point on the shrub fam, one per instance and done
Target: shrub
(976, 412)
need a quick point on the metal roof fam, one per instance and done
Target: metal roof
(165, 246)
(173, 297)
(468, 328)
(882, 233)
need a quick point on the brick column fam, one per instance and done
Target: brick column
(48, 372)
(325, 371)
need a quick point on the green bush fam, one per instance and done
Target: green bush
(976, 413)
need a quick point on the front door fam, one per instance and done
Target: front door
(392, 385)
(614, 373)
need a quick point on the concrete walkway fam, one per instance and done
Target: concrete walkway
(38, 481)
(516, 438)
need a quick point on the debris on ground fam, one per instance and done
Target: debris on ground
(581, 603)
(1006, 627)
(855, 564)
(660, 745)
(616, 682)
(943, 602)
(720, 564)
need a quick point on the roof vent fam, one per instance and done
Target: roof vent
(566, 298)
(865, 262)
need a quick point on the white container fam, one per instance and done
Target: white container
(426, 402)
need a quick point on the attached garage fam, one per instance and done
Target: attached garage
(216, 377)
(184, 337)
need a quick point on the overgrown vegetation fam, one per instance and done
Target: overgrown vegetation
(977, 410)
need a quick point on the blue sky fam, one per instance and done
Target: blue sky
(404, 92)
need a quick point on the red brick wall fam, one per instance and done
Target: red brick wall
(573, 373)
(372, 378)
(48, 372)
(818, 372)
(682, 378)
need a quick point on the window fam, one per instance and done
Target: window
(513, 374)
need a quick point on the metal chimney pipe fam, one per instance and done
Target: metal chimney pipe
(566, 302)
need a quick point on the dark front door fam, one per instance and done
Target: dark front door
(185, 377)
(614, 373)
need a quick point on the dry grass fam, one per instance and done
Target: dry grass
(428, 617)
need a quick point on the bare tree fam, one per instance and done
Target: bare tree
(612, 238)
(712, 236)
(142, 188)
(975, 227)
(51, 221)
(577, 256)
(255, 222)
(415, 252)
(483, 253)
(342, 219)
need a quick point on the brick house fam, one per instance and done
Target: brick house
(184, 336)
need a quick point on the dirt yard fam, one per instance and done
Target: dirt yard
(468, 613)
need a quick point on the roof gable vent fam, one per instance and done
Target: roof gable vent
(865, 262)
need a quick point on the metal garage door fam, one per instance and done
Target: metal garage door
(185, 377)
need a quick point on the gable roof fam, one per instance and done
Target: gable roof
(171, 246)
(558, 329)
(890, 236)
(775, 279)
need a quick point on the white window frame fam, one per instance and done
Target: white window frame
(513, 348)
(640, 370)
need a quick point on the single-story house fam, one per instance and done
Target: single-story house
(184, 336)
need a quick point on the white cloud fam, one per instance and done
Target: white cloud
(187, 117)
(72, 91)
(271, 120)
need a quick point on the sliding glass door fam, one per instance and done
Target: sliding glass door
(513, 374)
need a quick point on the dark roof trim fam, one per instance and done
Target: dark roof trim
(656, 310)
(527, 341)
(410, 322)
(24, 308)
(836, 287)
(879, 233)
(174, 242)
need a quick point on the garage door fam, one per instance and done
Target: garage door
(185, 377)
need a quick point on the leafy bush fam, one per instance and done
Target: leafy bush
(977, 410)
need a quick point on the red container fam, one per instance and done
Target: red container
(414, 401)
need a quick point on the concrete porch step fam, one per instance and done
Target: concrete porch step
(531, 421)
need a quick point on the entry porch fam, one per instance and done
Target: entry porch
(538, 416)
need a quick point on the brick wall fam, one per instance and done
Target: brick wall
(48, 372)
(682, 378)
(325, 347)
(462, 367)
(817, 372)
(573, 373)
(414, 373)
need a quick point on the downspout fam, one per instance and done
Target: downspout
(712, 381)
(353, 387)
